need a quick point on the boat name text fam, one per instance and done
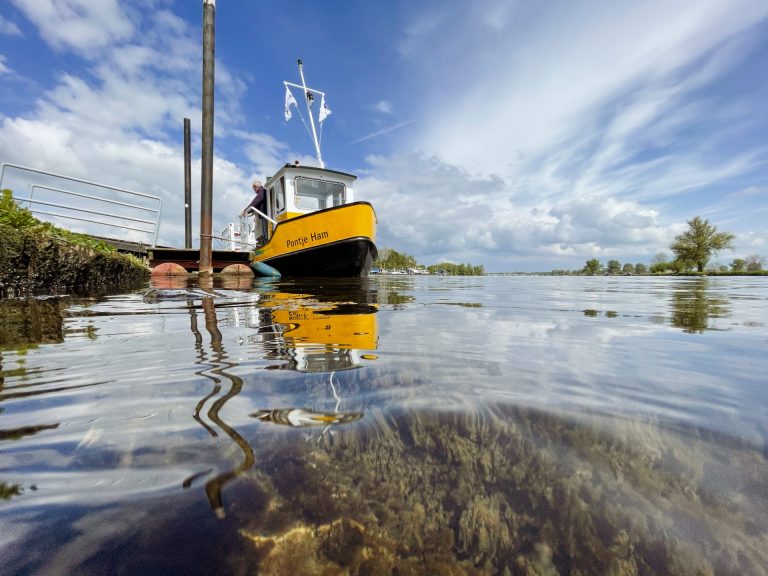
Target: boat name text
(313, 237)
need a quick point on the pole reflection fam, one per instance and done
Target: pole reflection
(309, 330)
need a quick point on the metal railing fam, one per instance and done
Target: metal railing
(79, 211)
(241, 236)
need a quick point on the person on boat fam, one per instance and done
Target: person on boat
(259, 203)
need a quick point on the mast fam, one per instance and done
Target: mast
(307, 98)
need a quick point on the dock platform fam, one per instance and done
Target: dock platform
(189, 259)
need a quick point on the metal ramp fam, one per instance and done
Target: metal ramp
(87, 207)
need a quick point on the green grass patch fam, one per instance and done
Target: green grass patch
(20, 218)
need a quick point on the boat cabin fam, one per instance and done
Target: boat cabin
(297, 190)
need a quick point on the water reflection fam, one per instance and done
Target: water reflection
(312, 336)
(26, 324)
(301, 418)
(695, 306)
(31, 322)
(216, 369)
(536, 432)
(322, 330)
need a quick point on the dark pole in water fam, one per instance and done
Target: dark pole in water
(187, 187)
(206, 181)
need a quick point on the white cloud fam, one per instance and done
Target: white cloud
(119, 121)
(554, 78)
(114, 161)
(383, 106)
(264, 152)
(543, 137)
(585, 112)
(750, 191)
(439, 211)
(3, 68)
(8, 28)
(420, 27)
(82, 25)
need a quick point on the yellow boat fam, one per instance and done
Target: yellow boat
(314, 227)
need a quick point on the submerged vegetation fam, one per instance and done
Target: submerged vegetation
(39, 257)
(494, 492)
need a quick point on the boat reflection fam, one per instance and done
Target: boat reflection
(315, 337)
(301, 418)
(310, 330)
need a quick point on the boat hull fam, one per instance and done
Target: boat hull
(349, 258)
(336, 242)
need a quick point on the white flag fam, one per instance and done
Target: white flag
(324, 110)
(289, 100)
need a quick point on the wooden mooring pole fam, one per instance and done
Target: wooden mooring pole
(206, 180)
(187, 187)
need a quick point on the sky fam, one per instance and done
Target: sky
(523, 136)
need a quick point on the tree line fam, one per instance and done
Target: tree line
(390, 259)
(693, 250)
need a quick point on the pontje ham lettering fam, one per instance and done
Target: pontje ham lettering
(304, 240)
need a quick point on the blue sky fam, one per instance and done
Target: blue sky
(519, 135)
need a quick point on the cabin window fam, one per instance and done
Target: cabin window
(281, 195)
(313, 194)
(271, 203)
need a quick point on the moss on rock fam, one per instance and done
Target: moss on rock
(35, 263)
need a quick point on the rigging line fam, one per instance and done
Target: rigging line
(225, 239)
(304, 121)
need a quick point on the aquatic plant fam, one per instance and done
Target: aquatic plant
(505, 490)
(8, 491)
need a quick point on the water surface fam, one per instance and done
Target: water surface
(478, 425)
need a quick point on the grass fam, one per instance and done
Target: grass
(20, 218)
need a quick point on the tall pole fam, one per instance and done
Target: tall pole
(187, 187)
(311, 119)
(206, 180)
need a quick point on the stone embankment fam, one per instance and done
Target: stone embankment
(33, 263)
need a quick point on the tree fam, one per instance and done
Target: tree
(390, 259)
(679, 266)
(592, 267)
(660, 267)
(660, 258)
(696, 245)
(738, 265)
(614, 267)
(641, 268)
(452, 269)
(628, 268)
(754, 263)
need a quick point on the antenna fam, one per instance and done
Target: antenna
(309, 96)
